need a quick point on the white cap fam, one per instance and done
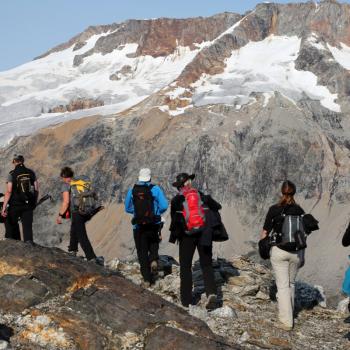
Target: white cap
(145, 175)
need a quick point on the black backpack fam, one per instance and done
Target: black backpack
(143, 205)
(23, 191)
(292, 231)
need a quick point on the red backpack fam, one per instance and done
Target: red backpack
(193, 210)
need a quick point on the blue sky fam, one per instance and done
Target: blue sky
(31, 27)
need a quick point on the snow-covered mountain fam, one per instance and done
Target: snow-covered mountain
(244, 101)
(115, 64)
(123, 64)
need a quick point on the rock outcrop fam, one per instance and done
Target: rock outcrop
(247, 312)
(51, 300)
(78, 104)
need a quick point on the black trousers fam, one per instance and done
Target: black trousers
(187, 247)
(79, 235)
(147, 246)
(12, 226)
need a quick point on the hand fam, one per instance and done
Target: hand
(263, 234)
(4, 213)
(59, 220)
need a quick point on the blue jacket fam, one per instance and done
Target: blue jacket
(160, 201)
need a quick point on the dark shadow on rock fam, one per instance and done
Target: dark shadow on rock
(165, 265)
(5, 332)
(306, 296)
(223, 270)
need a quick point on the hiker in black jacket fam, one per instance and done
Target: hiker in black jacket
(286, 259)
(190, 238)
(21, 196)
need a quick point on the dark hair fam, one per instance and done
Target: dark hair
(67, 172)
(18, 158)
(288, 190)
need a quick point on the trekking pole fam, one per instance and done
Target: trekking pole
(43, 199)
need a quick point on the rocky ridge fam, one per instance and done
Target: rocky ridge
(247, 309)
(53, 301)
(50, 300)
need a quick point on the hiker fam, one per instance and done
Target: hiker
(283, 220)
(146, 202)
(189, 227)
(2, 219)
(346, 282)
(20, 199)
(71, 207)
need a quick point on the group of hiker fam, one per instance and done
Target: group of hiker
(195, 224)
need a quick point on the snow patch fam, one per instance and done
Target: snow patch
(264, 66)
(314, 41)
(164, 108)
(179, 110)
(27, 126)
(176, 93)
(267, 96)
(342, 56)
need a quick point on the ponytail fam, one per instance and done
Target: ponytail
(288, 190)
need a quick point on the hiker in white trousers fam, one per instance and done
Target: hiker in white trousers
(286, 257)
(285, 266)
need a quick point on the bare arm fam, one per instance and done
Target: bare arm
(263, 234)
(6, 198)
(36, 190)
(64, 206)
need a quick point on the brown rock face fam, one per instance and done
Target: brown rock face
(79, 305)
(77, 104)
(160, 37)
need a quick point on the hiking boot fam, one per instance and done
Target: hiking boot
(154, 266)
(284, 326)
(73, 252)
(347, 320)
(100, 261)
(211, 302)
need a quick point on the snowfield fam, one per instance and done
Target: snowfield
(28, 91)
(265, 66)
(342, 56)
(121, 80)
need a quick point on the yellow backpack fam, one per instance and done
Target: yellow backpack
(83, 197)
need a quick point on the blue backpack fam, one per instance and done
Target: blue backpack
(346, 282)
